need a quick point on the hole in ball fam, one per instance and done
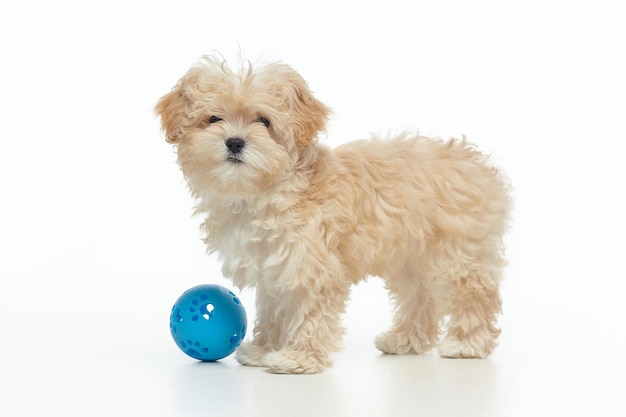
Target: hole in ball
(208, 311)
(177, 316)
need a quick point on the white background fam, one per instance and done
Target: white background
(97, 239)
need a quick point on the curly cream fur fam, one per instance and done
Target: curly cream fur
(301, 223)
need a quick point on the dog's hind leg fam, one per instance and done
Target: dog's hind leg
(415, 327)
(474, 303)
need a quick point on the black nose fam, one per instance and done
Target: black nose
(235, 145)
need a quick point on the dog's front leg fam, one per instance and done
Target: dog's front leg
(267, 328)
(296, 330)
(300, 300)
(310, 329)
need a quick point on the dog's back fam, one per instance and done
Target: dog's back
(410, 194)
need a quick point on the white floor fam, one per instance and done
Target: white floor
(97, 240)
(110, 361)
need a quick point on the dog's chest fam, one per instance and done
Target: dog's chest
(248, 243)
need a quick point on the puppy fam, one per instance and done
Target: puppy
(301, 223)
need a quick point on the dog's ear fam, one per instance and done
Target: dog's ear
(171, 109)
(311, 114)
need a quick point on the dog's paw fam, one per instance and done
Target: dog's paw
(401, 344)
(292, 362)
(249, 354)
(466, 348)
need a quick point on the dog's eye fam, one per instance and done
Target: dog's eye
(264, 121)
(213, 119)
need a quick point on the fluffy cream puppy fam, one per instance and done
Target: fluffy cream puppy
(301, 223)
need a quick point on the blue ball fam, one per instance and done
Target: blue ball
(208, 322)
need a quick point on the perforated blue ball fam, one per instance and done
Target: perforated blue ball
(208, 322)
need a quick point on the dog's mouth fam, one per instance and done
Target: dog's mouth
(234, 159)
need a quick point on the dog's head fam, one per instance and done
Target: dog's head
(239, 132)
